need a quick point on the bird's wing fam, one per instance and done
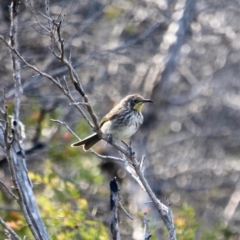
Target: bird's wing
(111, 115)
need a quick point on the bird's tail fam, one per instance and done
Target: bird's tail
(87, 142)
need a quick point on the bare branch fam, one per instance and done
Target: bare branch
(48, 77)
(9, 191)
(13, 235)
(14, 151)
(74, 76)
(125, 211)
(80, 103)
(165, 212)
(69, 129)
(147, 234)
(114, 203)
(106, 157)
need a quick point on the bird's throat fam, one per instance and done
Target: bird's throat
(139, 106)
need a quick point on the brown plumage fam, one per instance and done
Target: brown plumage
(121, 122)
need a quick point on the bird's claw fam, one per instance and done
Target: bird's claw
(129, 148)
(110, 138)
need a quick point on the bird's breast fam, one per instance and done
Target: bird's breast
(123, 127)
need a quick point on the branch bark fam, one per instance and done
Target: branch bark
(164, 211)
(13, 144)
(114, 204)
(12, 234)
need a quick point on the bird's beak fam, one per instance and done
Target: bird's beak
(139, 106)
(147, 100)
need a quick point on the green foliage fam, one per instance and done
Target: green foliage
(185, 223)
(63, 209)
(10, 108)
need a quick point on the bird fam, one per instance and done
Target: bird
(120, 123)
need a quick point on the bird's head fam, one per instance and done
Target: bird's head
(135, 102)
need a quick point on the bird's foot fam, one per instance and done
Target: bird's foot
(110, 138)
(129, 148)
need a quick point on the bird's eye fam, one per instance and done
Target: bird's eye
(135, 101)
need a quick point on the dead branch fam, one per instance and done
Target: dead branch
(164, 211)
(10, 233)
(147, 234)
(114, 204)
(13, 138)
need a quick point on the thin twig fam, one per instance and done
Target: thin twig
(48, 77)
(9, 229)
(106, 157)
(125, 211)
(14, 151)
(147, 234)
(114, 203)
(80, 103)
(69, 129)
(165, 212)
(9, 191)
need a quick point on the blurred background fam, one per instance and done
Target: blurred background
(183, 54)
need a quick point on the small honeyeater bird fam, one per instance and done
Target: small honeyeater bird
(120, 123)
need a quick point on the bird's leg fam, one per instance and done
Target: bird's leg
(129, 148)
(126, 143)
(108, 138)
